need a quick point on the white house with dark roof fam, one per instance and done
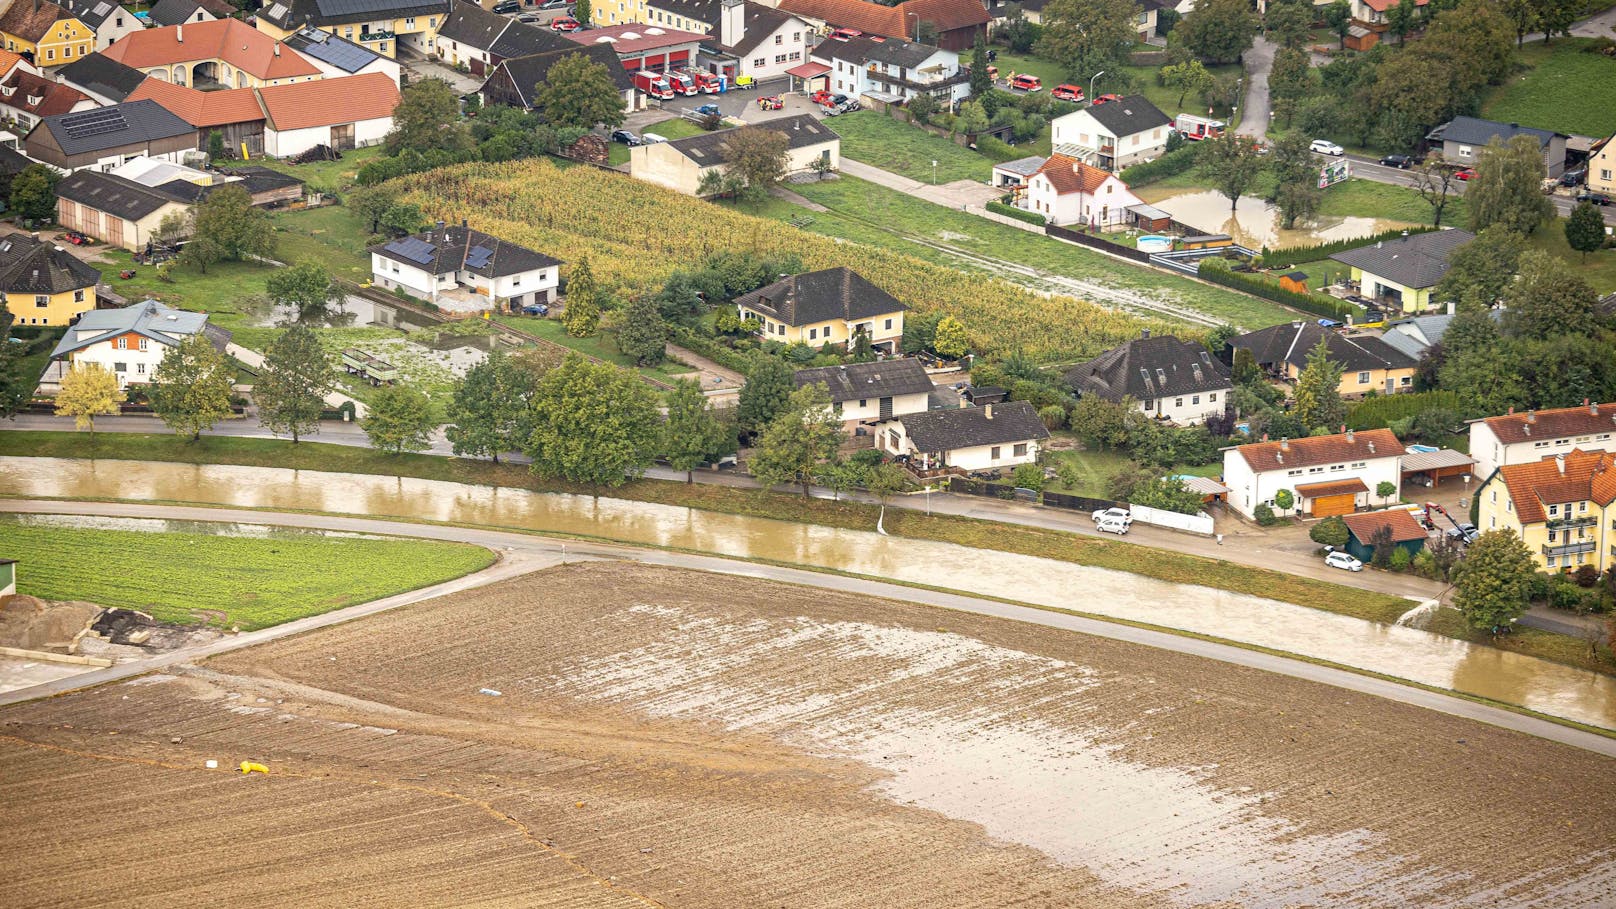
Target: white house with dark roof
(743, 38)
(1463, 139)
(1167, 378)
(680, 164)
(109, 20)
(990, 437)
(873, 392)
(129, 342)
(1530, 436)
(1401, 273)
(465, 270)
(514, 80)
(894, 68)
(1114, 135)
(337, 57)
(468, 34)
(833, 306)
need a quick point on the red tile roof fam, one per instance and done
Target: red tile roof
(199, 108)
(1331, 488)
(1069, 175)
(54, 98)
(1398, 520)
(947, 15)
(1309, 452)
(328, 102)
(1553, 424)
(871, 18)
(8, 60)
(1581, 476)
(230, 40)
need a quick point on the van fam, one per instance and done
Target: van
(1025, 83)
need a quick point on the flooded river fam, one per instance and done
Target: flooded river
(1407, 653)
(1254, 223)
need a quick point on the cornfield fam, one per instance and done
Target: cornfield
(636, 234)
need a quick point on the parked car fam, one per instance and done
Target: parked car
(564, 24)
(1466, 531)
(507, 6)
(1022, 82)
(1343, 561)
(1595, 198)
(1574, 177)
(708, 110)
(820, 97)
(555, 4)
(1106, 99)
(848, 106)
(1114, 514)
(845, 34)
(535, 309)
(1067, 92)
(1112, 525)
(530, 18)
(1401, 162)
(770, 102)
(1326, 147)
(1465, 173)
(625, 137)
(651, 138)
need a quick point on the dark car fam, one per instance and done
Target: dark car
(625, 137)
(508, 6)
(535, 309)
(555, 4)
(1573, 177)
(1403, 162)
(1595, 198)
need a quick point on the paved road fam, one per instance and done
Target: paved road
(1254, 112)
(1371, 169)
(522, 553)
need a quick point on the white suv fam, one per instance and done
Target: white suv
(1325, 147)
(1343, 561)
(1113, 514)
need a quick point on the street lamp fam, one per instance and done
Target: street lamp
(1091, 86)
(934, 173)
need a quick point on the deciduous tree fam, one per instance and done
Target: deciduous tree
(798, 441)
(290, 392)
(1507, 187)
(766, 393)
(1400, 20)
(427, 118)
(1288, 23)
(1232, 163)
(1086, 37)
(758, 157)
(1290, 80)
(229, 227)
(190, 389)
(1218, 31)
(1585, 229)
(399, 419)
(643, 335)
(307, 288)
(1318, 390)
(951, 342)
(88, 390)
(1190, 77)
(1296, 180)
(370, 203)
(693, 434)
(1479, 271)
(581, 312)
(33, 192)
(579, 93)
(1338, 15)
(489, 413)
(593, 423)
(1494, 581)
(16, 383)
(1522, 14)
(1550, 300)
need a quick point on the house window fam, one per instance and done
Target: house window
(1293, 473)
(1553, 536)
(813, 333)
(432, 22)
(1212, 398)
(1195, 399)
(864, 402)
(41, 301)
(78, 296)
(779, 58)
(796, 55)
(1553, 510)
(796, 38)
(1178, 402)
(1406, 380)
(994, 453)
(1020, 450)
(1363, 378)
(761, 61)
(409, 22)
(888, 324)
(123, 344)
(1465, 151)
(120, 367)
(143, 343)
(50, 54)
(779, 40)
(140, 369)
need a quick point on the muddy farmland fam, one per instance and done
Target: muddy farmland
(615, 735)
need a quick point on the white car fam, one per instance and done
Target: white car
(1112, 525)
(1326, 147)
(1113, 514)
(1343, 561)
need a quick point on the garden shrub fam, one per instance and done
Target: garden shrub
(1329, 532)
(1020, 214)
(1264, 515)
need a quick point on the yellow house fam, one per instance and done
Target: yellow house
(380, 26)
(1560, 506)
(44, 284)
(47, 34)
(1400, 274)
(825, 307)
(1367, 362)
(1602, 167)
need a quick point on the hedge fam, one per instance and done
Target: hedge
(1020, 214)
(724, 356)
(1383, 410)
(1171, 164)
(1217, 271)
(1293, 254)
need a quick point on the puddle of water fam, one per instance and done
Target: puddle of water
(162, 525)
(1407, 653)
(350, 312)
(1254, 223)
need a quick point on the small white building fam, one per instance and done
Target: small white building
(128, 342)
(1167, 378)
(346, 113)
(989, 437)
(1327, 475)
(893, 68)
(1529, 437)
(465, 270)
(1115, 134)
(1067, 191)
(873, 392)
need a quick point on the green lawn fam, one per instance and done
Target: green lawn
(250, 582)
(1096, 467)
(878, 140)
(617, 153)
(333, 237)
(1368, 199)
(602, 345)
(676, 128)
(1598, 268)
(1565, 90)
(327, 175)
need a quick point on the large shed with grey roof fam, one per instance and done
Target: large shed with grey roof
(681, 164)
(1463, 139)
(110, 135)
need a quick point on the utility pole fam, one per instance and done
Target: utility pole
(1091, 86)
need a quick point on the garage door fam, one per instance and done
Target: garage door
(1326, 506)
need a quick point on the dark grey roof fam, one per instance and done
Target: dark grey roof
(473, 26)
(1478, 132)
(865, 49)
(173, 12)
(1131, 115)
(101, 75)
(130, 123)
(800, 131)
(13, 161)
(1292, 342)
(116, 195)
(449, 249)
(293, 14)
(1150, 368)
(861, 381)
(522, 40)
(92, 12)
(332, 50)
(969, 427)
(758, 23)
(820, 296)
(529, 70)
(1416, 261)
(29, 266)
(256, 179)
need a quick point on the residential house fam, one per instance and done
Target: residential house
(949, 24)
(1400, 274)
(990, 437)
(131, 341)
(744, 38)
(1415, 335)
(377, 25)
(1602, 167)
(26, 96)
(465, 270)
(116, 210)
(1462, 139)
(833, 306)
(45, 33)
(1367, 362)
(1398, 525)
(1067, 191)
(1114, 135)
(44, 284)
(223, 53)
(514, 80)
(105, 80)
(468, 34)
(644, 46)
(681, 164)
(892, 68)
(1527, 437)
(353, 112)
(182, 12)
(873, 392)
(337, 57)
(1166, 378)
(1560, 506)
(1328, 475)
(1011, 174)
(1372, 13)
(106, 19)
(108, 136)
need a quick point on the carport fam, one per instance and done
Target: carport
(1322, 500)
(810, 74)
(1211, 490)
(1439, 465)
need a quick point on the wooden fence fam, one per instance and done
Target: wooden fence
(1093, 242)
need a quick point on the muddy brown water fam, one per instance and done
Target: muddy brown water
(1407, 653)
(1255, 223)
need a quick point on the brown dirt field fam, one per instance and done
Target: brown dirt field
(671, 738)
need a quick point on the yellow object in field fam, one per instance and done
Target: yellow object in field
(249, 767)
(244, 155)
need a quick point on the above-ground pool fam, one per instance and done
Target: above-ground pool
(1152, 243)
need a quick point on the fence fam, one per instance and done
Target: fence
(1093, 242)
(972, 487)
(1076, 503)
(1201, 522)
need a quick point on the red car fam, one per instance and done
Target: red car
(844, 34)
(1022, 82)
(1066, 92)
(822, 96)
(1105, 98)
(564, 24)
(1466, 174)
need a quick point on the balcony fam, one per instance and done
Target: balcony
(376, 36)
(1561, 549)
(957, 77)
(1573, 523)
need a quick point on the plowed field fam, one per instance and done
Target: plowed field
(665, 738)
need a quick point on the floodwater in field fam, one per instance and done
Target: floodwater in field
(1255, 223)
(163, 525)
(1407, 653)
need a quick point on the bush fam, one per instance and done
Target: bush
(997, 151)
(1400, 559)
(1264, 515)
(1169, 165)
(1566, 595)
(1054, 417)
(1217, 271)
(1388, 411)
(1425, 566)
(1028, 476)
(1020, 214)
(1585, 576)
(1289, 255)
(1330, 532)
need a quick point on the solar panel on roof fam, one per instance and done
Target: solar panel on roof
(101, 9)
(278, 11)
(92, 123)
(414, 249)
(478, 256)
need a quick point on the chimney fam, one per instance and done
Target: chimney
(1144, 333)
(987, 411)
(1371, 447)
(731, 22)
(1593, 409)
(1531, 416)
(179, 30)
(1559, 463)
(1350, 436)
(1285, 444)
(1265, 437)
(1512, 410)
